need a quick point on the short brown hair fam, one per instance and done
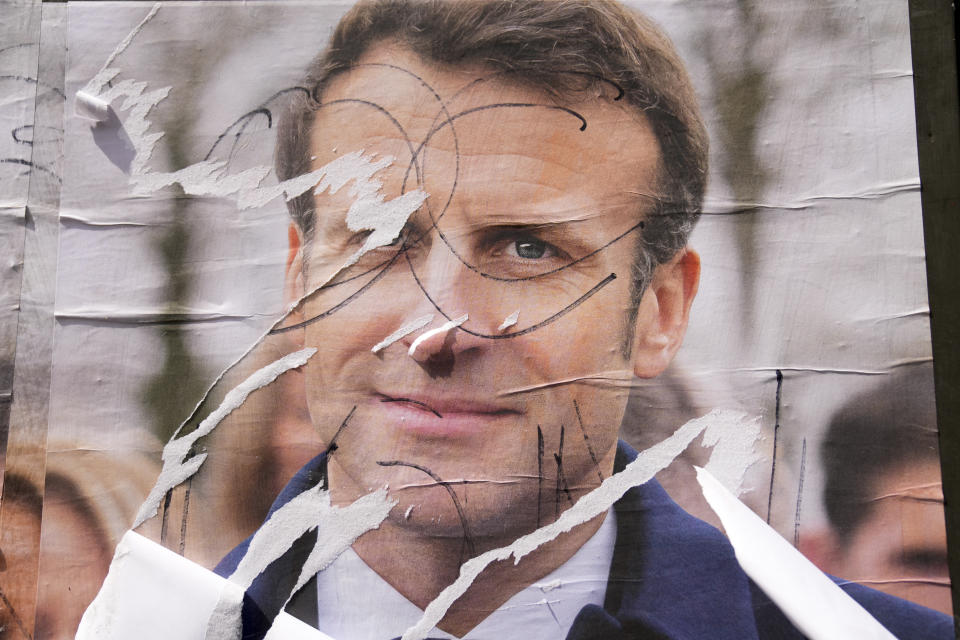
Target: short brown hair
(561, 46)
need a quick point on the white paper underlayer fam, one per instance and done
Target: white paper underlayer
(811, 600)
(152, 593)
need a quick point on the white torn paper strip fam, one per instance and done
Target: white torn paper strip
(442, 329)
(369, 211)
(403, 331)
(337, 528)
(509, 321)
(137, 100)
(176, 467)
(340, 527)
(811, 600)
(152, 593)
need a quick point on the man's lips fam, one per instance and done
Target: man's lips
(442, 415)
(417, 403)
(443, 405)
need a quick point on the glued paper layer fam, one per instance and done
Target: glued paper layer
(152, 592)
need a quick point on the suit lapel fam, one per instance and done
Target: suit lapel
(265, 597)
(673, 576)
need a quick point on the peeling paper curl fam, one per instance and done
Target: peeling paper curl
(91, 107)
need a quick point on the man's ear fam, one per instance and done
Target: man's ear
(293, 286)
(663, 313)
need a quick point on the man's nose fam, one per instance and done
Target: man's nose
(437, 342)
(443, 283)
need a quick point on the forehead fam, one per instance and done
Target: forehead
(475, 134)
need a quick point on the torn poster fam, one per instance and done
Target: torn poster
(415, 319)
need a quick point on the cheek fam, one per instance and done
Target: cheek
(332, 380)
(597, 418)
(344, 338)
(583, 346)
(590, 339)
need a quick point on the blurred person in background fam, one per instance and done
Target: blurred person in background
(883, 492)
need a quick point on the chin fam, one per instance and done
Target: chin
(490, 512)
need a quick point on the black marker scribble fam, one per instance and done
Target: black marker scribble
(31, 165)
(245, 119)
(353, 296)
(511, 105)
(542, 274)
(421, 148)
(449, 122)
(166, 516)
(435, 127)
(13, 614)
(586, 441)
(383, 111)
(803, 471)
(16, 134)
(467, 538)
(31, 80)
(504, 336)
(539, 472)
(452, 483)
(562, 487)
(333, 446)
(550, 609)
(183, 519)
(18, 46)
(776, 433)
(503, 72)
(416, 402)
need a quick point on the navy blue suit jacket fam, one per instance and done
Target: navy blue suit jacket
(673, 576)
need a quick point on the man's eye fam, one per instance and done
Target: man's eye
(531, 249)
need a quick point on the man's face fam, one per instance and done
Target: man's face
(483, 430)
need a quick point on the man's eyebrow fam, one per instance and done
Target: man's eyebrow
(532, 220)
(521, 225)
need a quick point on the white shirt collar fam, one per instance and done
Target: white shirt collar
(355, 603)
